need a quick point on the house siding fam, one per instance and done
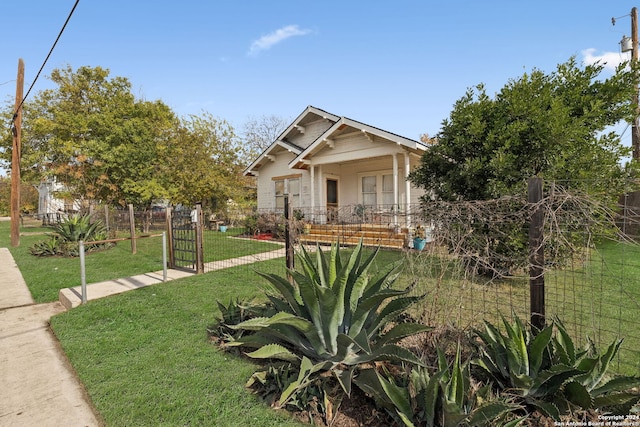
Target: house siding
(279, 167)
(311, 132)
(350, 152)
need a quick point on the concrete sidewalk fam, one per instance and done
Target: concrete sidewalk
(72, 297)
(39, 387)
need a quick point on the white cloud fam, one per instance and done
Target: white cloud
(279, 35)
(610, 60)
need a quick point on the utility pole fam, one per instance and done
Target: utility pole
(635, 129)
(16, 130)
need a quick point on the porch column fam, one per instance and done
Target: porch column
(312, 173)
(407, 188)
(321, 198)
(395, 189)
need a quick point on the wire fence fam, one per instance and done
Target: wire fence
(479, 267)
(475, 265)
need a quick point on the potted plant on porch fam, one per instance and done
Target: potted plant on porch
(419, 237)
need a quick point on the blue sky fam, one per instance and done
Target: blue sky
(398, 65)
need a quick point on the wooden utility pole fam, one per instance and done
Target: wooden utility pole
(635, 128)
(16, 130)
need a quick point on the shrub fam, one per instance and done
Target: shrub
(48, 247)
(446, 397)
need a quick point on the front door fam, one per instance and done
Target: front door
(332, 200)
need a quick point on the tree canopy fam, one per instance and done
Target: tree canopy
(550, 125)
(93, 136)
(259, 133)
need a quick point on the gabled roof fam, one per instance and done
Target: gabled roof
(282, 142)
(368, 131)
(337, 125)
(267, 155)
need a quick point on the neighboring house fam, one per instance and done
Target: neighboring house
(332, 166)
(50, 208)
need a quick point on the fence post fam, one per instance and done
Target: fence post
(83, 275)
(199, 237)
(287, 237)
(132, 228)
(536, 255)
(164, 256)
(172, 260)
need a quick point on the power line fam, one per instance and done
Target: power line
(15, 113)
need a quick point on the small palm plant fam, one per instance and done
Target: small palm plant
(332, 319)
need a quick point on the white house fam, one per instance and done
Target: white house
(50, 207)
(333, 166)
(48, 203)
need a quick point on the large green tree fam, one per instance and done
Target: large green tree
(204, 163)
(93, 136)
(555, 126)
(549, 125)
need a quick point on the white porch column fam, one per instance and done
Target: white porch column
(321, 197)
(407, 187)
(312, 173)
(395, 189)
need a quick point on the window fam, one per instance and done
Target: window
(281, 185)
(377, 191)
(387, 191)
(369, 195)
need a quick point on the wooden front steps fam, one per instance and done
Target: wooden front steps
(350, 234)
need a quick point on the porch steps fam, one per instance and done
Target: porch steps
(350, 234)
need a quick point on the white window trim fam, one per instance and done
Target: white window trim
(378, 174)
(294, 198)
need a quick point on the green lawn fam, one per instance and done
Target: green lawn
(45, 276)
(145, 359)
(597, 296)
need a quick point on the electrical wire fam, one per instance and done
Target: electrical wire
(15, 113)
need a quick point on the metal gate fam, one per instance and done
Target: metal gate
(183, 239)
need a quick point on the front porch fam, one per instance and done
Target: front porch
(383, 225)
(351, 234)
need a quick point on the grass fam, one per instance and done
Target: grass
(601, 299)
(145, 359)
(597, 297)
(45, 276)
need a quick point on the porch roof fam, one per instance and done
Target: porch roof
(337, 126)
(345, 126)
(283, 143)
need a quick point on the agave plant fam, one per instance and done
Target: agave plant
(68, 234)
(332, 318)
(444, 398)
(48, 247)
(78, 227)
(549, 374)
